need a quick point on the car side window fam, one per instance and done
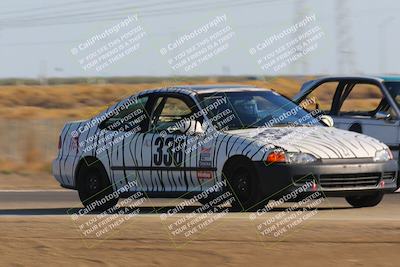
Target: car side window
(321, 98)
(360, 99)
(168, 112)
(129, 117)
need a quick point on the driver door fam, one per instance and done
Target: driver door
(363, 108)
(169, 146)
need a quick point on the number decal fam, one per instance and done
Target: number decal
(168, 156)
(174, 152)
(159, 155)
(178, 153)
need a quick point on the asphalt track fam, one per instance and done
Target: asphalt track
(36, 229)
(58, 202)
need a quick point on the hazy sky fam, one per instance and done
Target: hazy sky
(367, 30)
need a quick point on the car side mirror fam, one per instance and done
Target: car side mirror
(381, 115)
(327, 120)
(190, 127)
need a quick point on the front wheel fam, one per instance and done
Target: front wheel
(366, 200)
(244, 185)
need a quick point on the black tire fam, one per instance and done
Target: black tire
(366, 200)
(243, 183)
(95, 189)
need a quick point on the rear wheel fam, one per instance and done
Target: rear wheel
(366, 200)
(94, 188)
(243, 183)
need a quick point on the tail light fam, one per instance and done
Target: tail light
(59, 142)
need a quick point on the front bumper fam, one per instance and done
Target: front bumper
(331, 177)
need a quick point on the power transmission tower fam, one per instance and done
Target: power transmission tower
(382, 27)
(300, 13)
(344, 38)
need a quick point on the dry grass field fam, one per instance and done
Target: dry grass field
(80, 101)
(31, 116)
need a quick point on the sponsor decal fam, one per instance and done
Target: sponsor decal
(205, 150)
(204, 175)
(205, 163)
(205, 155)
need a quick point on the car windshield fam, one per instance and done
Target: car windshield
(252, 109)
(394, 91)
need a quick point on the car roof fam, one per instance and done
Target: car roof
(358, 77)
(206, 89)
(311, 83)
(307, 85)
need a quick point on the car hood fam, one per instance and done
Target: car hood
(321, 142)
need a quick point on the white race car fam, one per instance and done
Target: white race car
(251, 142)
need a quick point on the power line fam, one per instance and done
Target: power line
(151, 13)
(44, 8)
(67, 12)
(111, 13)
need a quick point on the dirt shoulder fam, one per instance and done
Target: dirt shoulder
(142, 242)
(15, 181)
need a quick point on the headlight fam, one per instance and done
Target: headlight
(383, 155)
(290, 157)
(300, 158)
